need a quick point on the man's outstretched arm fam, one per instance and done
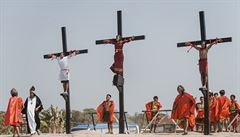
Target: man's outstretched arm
(212, 43)
(192, 45)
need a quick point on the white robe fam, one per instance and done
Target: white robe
(31, 114)
(64, 68)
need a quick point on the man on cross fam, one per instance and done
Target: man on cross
(117, 66)
(64, 70)
(203, 63)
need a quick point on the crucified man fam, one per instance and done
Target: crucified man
(117, 66)
(203, 63)
(64, 70)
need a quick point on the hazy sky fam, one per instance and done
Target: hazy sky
(155, 66)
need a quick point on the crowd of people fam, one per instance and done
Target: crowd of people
(185, 112)
(223, 112)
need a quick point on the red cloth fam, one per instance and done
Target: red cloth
(101, 109)
(234, 111)
(184, 107)
(191, 121)
(224, 105)
(149, 106)
(214, 109)
(117, 66)
(13, 116)
(203, 66)
(200, 110)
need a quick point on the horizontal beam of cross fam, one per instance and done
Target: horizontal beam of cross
(140, 37)
(47, 56)
(221, 40)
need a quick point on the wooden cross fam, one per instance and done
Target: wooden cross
(66, 53)
(117, 67)
(205, 91)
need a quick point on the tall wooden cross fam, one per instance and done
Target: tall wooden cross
(205, 91)
(67, 98)
(118, 79)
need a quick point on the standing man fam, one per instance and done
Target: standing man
(203, 63)
(117, 66)
(153, 106)
(105, 113)
(32, 108)
(183, 109)
(213, 110)
(200, 113)
(64, 71)
(224, 106)
(13, 116)
(234, 110)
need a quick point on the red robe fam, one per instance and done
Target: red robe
(203, 66)
(214, 109)
(200, 110)
(117, 66)
(149, 106)
(13, 116)
(233, 112)
(101, 109)
(184, 107)
(224, 105)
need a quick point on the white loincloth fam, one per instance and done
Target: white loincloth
(31, 115)
(64, 75)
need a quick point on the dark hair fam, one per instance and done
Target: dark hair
(210, 93)
(233, 96)
(109, 95)
(14, 92)
(216, 94)
(180, 86)
(155, 97)
(32, 88)
(222, 92)
(201, 97)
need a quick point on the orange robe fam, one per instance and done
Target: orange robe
(234, 109)
(200, 110)
(100, 112)
(13, 116)
(224, 105)
(184, 107)
(149, 106)
(214, 109)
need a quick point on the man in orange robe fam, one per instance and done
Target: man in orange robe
(105, 113)
(13, 115)
(153, 106)
(213, 111)
(200, 113)
(183, 109)
(224, 105)
(234, 109)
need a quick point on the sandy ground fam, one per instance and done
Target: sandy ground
(95, 134)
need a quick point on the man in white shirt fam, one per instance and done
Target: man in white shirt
(64, 71)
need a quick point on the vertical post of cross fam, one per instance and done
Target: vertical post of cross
(67, 101)
(119, 22)
(205, 92)
(120, 81)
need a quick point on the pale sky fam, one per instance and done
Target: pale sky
(154, 66)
